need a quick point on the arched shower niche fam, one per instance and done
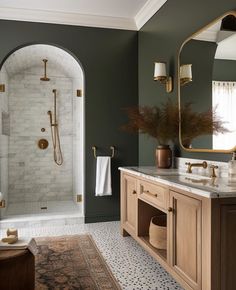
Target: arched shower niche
(41, 134)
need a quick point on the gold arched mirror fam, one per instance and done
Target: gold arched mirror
(207, 88)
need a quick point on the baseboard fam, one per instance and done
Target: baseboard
(97, 219)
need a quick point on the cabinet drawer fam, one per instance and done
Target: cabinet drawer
(153, 193)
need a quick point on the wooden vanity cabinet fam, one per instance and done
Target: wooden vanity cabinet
(185, 237)
(201, 231)
(223, 249)
(129, 204)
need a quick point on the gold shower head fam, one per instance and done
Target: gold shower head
(45, 78)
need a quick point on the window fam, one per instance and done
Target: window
(224, 100)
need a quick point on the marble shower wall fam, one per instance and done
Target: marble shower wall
(4, 137)
(33, 175)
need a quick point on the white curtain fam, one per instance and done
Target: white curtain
(224, 99)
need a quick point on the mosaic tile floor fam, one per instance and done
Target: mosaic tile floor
(134, 268)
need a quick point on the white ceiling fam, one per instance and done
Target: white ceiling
(121, 14)
(115, 8)
(226, 41)
(210, 33)
(226, 49)
(30, 57)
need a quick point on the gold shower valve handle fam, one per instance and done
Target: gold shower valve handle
(43, 144)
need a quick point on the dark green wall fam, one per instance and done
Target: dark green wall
(224, 70)
(110, 62)
(160, 40)
(199, 91)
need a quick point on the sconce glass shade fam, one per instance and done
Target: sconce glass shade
(185, 74)
(160, 71)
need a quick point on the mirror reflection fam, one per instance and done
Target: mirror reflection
(208, 84)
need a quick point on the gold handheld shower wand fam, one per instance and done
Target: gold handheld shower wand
(55, 133)
(45, 78)
(50, 116)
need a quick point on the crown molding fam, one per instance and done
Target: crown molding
(207, 35)
(57, 17)
(69, 18)
(147, 11)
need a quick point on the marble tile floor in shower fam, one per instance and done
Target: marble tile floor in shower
(42, 207)
(43, 213)
(132, 266)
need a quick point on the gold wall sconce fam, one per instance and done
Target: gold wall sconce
(161, 76)
(185, 74)
(2, 88)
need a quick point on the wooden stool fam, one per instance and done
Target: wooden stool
(17, 270)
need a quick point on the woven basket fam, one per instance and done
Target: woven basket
(158, 232)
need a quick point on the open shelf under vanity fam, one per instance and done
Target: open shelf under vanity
(145, 213)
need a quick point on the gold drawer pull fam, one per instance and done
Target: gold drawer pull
(134, 192)
(148, 192)
(170, 209)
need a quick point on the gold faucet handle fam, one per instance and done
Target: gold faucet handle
(189, 167)
(204, 164)
(213, 170)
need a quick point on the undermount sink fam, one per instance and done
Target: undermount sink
(183, 177)
(197, 180)
(190, 176)
(219, 184)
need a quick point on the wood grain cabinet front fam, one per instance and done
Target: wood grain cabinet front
(225, 254)
(153, 193)
(201, 231)
(185, 237)
(129, 204)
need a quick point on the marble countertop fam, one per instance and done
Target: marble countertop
(196, 184)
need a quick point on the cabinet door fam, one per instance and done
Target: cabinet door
(228, 249)
(185, 237)
(129, 204)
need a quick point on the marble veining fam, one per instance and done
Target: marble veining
(193, 183)
(222, 170)
(41, 214)
(28, 174)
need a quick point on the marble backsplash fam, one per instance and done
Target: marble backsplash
(222, 170)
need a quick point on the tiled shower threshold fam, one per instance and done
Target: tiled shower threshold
(49, 213)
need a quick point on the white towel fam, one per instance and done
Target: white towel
(21, 244)
(103, 176)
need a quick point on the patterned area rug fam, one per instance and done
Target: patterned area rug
(71, 262)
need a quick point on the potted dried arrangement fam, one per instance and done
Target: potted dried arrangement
(162, 124)
(194, 124)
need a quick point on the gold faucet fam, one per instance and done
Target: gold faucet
(190, 165)
(213, 170)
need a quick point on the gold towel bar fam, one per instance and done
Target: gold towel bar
(94, 148)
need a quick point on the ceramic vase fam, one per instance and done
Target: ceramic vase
(163, 156)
